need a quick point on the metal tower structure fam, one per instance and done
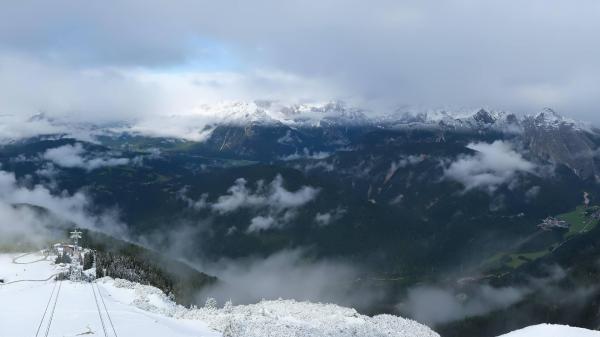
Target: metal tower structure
(76, 235)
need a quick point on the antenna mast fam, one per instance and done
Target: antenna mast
(76, 235)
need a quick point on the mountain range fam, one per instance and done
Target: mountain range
(396, 209)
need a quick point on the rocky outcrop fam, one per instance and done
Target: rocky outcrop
(551, 137)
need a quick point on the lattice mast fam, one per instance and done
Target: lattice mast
(76, 235)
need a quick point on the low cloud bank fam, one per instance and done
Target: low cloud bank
(71, 156)
(306, 154)
(17, 221)
(432, 305)
(289, 274)
(491, 166)
(22, 227)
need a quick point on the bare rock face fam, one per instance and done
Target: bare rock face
(552, 137)
(482, 116)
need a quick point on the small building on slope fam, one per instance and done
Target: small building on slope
(551, 223)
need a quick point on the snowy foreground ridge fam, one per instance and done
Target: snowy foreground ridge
(271, 318)
(33, 304)
(551, 330)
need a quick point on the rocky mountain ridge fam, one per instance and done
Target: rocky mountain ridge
(341, 113)
(336, 114)
(267, 130)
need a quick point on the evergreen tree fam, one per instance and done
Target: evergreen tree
(88, 261)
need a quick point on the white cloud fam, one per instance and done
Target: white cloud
(397, 199)
(306, 154)
(277, 204)
(239, 196)
(273, 195)
(273, 204)
(74, 156)
(22, 227)
(199, 204)
(147, 101)
(48, 170)
(14, 127)
(401, 163)
(532, 193)
(290, 274)
(68, 207)
(283, 199)
(324, 219)
(491, 166)
(260, 223)
(94, 95)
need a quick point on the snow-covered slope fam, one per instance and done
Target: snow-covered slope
(340, 113)
(40, 306)
(121, 308)
(271, 112)
(270, 318)
(552, 330)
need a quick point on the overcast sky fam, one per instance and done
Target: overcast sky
(107, 60)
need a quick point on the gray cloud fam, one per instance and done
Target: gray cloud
(532, 193)
(75, 156)
(21, 228)
(433, 305)
(148, 101)
(135, 59)
(64, 207)
(289, 274)
(95, 95)
(492, 165)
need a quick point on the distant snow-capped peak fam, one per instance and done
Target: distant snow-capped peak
(550, 119)
(453, 119)
(269, 112)
(197, 124)
(336, 113)
(483, 119)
